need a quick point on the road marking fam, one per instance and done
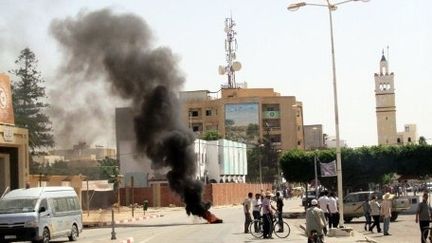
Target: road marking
(149, 238)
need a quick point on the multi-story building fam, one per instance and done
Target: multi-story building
(216, 161)
(313, 137)
(246, 115)
(81, 155)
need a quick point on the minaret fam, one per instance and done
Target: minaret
(385, 104)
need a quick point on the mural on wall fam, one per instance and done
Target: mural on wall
(6, 109)
(242, 122)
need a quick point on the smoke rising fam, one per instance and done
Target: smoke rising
(118, 49)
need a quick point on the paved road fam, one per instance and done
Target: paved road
(403, 230)
(175, 226)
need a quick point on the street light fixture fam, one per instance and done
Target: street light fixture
(332, 7)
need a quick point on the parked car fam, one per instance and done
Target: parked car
(307, 198)
(354, 200)
(40, 214)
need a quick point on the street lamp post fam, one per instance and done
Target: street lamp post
(331, 7)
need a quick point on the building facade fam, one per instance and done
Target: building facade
(14, 150)
(385, 104)
(81, 155)
(246, 115)
(313, 136)
(216, 161)
(408, 136)
(386, 110)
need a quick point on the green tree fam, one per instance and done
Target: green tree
(211, 135)
(422, 140)
(28, 96)
(360, 166)
(109, 169)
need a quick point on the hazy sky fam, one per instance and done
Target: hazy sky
(288, 51)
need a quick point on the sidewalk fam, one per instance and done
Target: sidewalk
(103, 217)
(294, 211)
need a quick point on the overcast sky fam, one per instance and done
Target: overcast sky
(284, 50)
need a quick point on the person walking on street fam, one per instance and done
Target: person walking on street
(315, 221)
(323, 202)
(267, 216)
(423, 217)
(279, 207)
(256, 210)
(375, 213)
(386, 208)
(367, 213)
(333, 210)
(247, 205)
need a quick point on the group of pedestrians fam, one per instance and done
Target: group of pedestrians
(373, 210)
(261, 207)
(322, 213)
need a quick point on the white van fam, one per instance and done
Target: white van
(40, 214)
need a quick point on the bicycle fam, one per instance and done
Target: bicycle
(427, 234)
(315, 238)
(256, 228)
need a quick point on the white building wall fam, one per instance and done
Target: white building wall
(201, 157)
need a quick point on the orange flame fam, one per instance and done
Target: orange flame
(211, 218)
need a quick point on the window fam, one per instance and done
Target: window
(43, 204)
(73, 203)
(60, 205)
(193, 113)
(209, 112)
(409, 140)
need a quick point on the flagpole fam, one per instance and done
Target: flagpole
(316, 176)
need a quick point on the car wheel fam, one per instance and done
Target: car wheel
(347, 219)
(45, 236)
(74, 233)
(394, 217)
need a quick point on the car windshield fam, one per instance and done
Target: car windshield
(20, 205)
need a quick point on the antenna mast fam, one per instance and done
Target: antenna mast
(230, 53)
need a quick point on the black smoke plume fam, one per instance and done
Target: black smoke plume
(117, 48)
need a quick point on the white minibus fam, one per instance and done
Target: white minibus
(40, 214)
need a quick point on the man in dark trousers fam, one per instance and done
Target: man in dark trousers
(267, 216)
(279, 206)
(423, 216)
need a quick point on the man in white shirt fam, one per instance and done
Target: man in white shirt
(333, 210)
(323, 203)
(256, 209)
(247, 205)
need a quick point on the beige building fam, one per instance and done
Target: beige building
(385, 104)
(82, 155)
(246, 115)
(313, 136)
(14, 158)
(386, 110)
(409, 135)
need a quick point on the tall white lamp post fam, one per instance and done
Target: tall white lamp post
(331, 7)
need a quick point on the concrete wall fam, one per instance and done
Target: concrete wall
(216, 193)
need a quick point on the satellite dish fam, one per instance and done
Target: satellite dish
(221, 70)
(236, 66)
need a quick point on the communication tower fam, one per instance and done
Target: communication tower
(230, 52)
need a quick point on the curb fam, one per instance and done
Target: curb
(294, 215)
(123, 221)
